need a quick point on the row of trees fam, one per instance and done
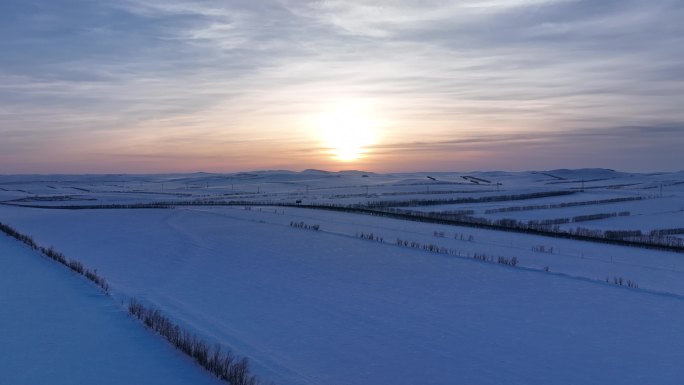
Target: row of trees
(220, 362)
(484, 199)
(433, 248)
(541, 223)
(56, 256)
(52, 198)
(599, 216)
(155, 205)
(629, 237)
(662, 232)
(636, 236)
(560, 205)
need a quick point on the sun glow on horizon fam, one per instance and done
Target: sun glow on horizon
(347, 129)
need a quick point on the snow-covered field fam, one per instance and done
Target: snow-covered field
(327, 307)
(56, 328)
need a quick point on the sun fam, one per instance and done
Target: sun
(347, 129)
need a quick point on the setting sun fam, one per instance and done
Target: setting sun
(346, 130)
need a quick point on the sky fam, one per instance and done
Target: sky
(142, 86)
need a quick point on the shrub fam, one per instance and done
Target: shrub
(506, 261)
(302, 225)
(619, 281)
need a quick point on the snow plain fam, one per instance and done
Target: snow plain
(325, 307)
(57, 328)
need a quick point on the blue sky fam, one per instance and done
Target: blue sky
(179, 85)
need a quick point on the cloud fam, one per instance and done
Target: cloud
(442, 75)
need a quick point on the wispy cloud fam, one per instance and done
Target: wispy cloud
(171, 79)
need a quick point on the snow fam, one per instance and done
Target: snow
(57, 328)
(313, 307)
(325, 307)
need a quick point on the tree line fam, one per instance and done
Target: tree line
(58, 257)
(220, 362)
(560, 205)
(485, 199)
